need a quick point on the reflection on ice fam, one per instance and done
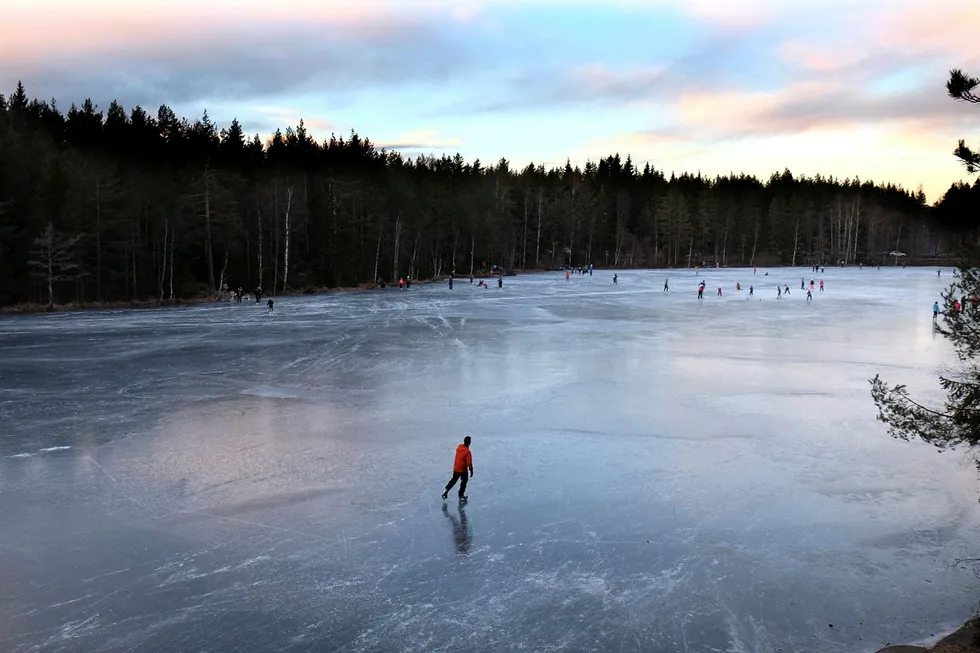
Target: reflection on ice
(461, 528)
(657, 473)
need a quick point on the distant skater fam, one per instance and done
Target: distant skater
(719, 291)
(666, 287)
(750, 291)
(821, 285)
(809, 295)
(450, 283)
(935, 311)
(786, 290)
(462, 464)
(500, 282)
(939, 273)
(779, 292)
(567, 275)
(802, 284)
(401, 283)
(270, 305)
(615, 279)
(701, 292)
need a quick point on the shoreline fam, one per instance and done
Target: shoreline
(965, 639)
(140, 304)
(137, 304)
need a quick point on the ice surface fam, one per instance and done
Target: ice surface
(652, 473)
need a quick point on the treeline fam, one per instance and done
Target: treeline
(125, 205)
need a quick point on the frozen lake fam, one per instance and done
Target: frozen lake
(653, 473)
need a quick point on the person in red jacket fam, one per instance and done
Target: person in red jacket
(462, 464)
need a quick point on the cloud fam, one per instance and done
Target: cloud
(216, 54)
(423, 139)
(712, 62)
(265, 120)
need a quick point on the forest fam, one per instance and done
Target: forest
(118, 206)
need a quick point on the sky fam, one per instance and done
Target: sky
(840, 88)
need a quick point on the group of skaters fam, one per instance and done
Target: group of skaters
(958, 305)
(481, 284)
(780, 289)
(581, 270)
(238, 294)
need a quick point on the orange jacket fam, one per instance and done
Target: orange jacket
(464, 459)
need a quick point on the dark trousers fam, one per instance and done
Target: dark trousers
(462, 477)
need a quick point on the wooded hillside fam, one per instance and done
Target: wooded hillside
(117, 205)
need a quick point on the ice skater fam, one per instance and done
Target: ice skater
(701, 292)
(462, 464)
(500, 282)
(779, 292)
(270, 305)
(750, 291)
(666, 287)
(821, 285)
(450, 283)
(615, 279)
(935, 311)
(719, 291)
(809, 295)
(802, 284)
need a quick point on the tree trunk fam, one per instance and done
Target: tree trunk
(258, 213)
(173, 240)
(224, 268)
(472, 250)
(98, 241)
(163, 266)
(285, 267)
(524, 239)
(135, 243)
(537, 251)
(398, 239)
(50, 261)
(415, 251)
(207, 226)
(755, 241)
(377, 258)
(796, 241)
(724, 241)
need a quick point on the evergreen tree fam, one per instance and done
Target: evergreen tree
(170, 209)
(957, 423)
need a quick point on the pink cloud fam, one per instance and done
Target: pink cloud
(946, 28)
(29, 32)
(819, 58)
(420, 139)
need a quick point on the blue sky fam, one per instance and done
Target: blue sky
(838, 88)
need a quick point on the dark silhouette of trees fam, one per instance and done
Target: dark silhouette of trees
(167, 208)
(961, 87)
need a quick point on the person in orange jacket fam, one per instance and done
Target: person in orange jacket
(462, 464)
